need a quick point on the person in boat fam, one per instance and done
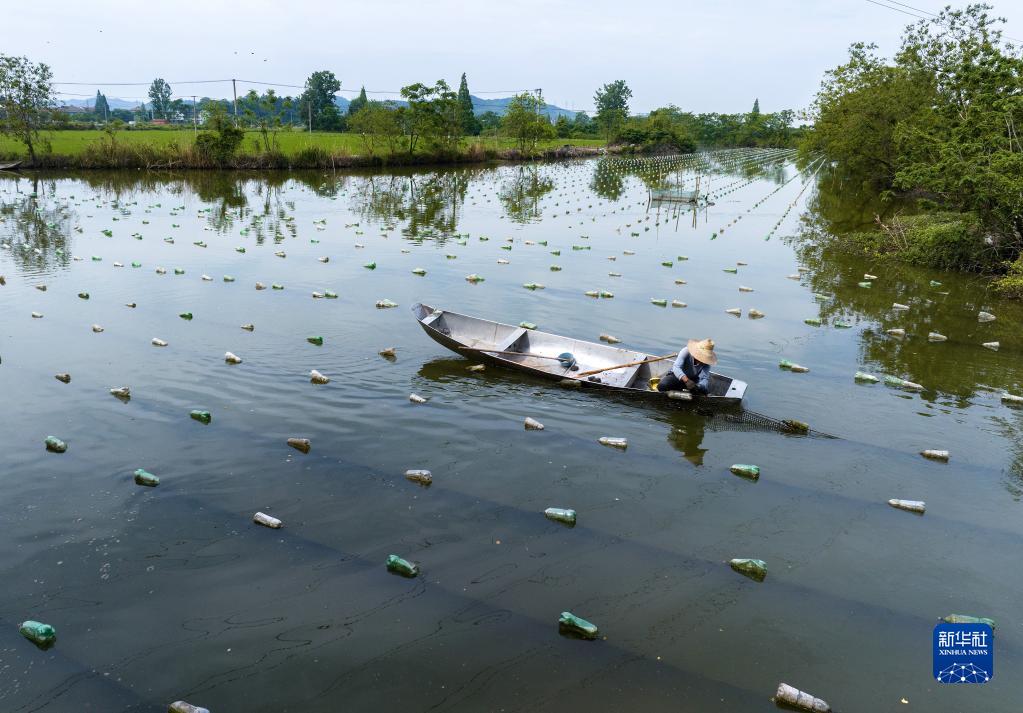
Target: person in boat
(691, 370)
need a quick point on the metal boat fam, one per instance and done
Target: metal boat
(560, 358)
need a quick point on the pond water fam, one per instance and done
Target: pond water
(168, 593)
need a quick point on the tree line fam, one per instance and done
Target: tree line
(935, 128)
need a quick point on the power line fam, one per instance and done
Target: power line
(928, 15)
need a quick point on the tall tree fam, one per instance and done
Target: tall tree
(100, 107)
(526, 121)
(318, 98)
(265, 112)
(160, 97)
(431, 115)
(358, 102)
(470, 124)
(26, 100)
(756, 107)
(612, 101)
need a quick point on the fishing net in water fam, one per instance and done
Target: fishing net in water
(746, 420)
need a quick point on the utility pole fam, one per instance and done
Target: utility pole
(234, 86)
(195, 119)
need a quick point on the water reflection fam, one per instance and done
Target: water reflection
(37, 228)
(520, 195)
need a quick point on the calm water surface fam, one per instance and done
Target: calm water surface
(168, 593)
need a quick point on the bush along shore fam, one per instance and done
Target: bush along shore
(931, 131)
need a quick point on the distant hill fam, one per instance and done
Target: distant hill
(113, 102)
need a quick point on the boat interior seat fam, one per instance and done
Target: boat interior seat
(509, 343)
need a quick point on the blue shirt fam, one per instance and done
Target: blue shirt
(697, 372)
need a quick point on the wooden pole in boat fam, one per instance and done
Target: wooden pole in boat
(622, 366)
(496, 351)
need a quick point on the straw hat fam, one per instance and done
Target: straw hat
(703, 350)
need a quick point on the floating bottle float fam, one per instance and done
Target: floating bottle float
(527, 325)
(248, 327)
(318, 378)
(935, 455)
(184, 707)
(734, 311)
(756, 314)
(385, 304)
(417, 399)
(55, 445)
(65, 378)
(800, 700)
(474, 278)
(572, 625)
(753, 568)
(37, 315)
(186, 315)
(902, 383)
(993, 346)
(422, 477)
(144, 477)
(866, 378)
(899, 307)
(967, 619)
(42, 635)
(814, 321)
(205, 278)
(201, 416)
(746, 470)
(400, 566)
(898, 332)
(1011, 398)
(419, 271)
(300, 444)
(261, 518)
(476, 368)
(157, 342)
(743, 288)
(260, 286)
(678, 304)
(609, 339)
(936, 337)
(121, 392)
(621, 443)
(232, 358)
(985, 317)
(562, 515)
(317, 340)
(659, 302)
(917, 506)
(531, 424)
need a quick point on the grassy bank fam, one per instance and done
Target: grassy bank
(174, 148)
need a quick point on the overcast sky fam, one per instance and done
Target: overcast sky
(715, 55)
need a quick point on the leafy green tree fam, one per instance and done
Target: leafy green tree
(265, 113)
(358, 102)
(160, 98)
(470, 125)
(526, 122)
(612, 102)
(318, 97)
(563, 127)
(431, 115)
(377, 124)
(756, 107)
(26, 100)
(221, 140)
(100, 107)
(489, 121)
(583, 125)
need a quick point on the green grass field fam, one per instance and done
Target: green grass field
(71, 143)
